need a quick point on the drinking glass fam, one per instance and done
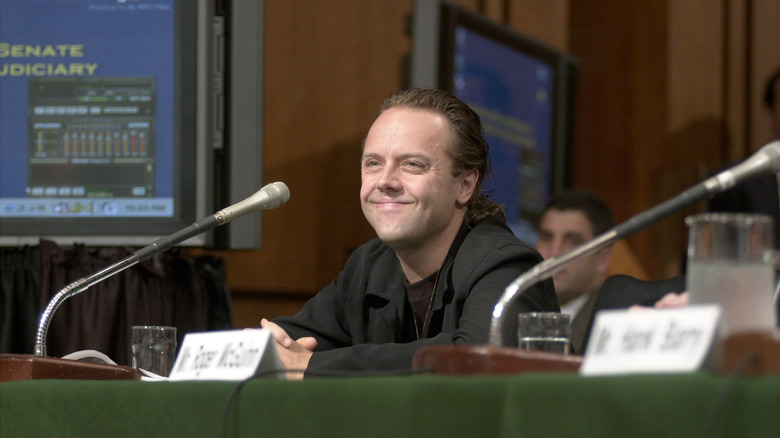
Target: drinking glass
(154, 348)
(544, 331)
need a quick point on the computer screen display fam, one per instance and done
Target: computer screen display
(97, 115)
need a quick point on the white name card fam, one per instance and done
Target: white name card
(650, 341)
(227, 355)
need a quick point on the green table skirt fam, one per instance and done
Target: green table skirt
(533, 405)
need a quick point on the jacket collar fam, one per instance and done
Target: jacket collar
(388, 287)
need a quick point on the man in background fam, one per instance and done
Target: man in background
(570, 219)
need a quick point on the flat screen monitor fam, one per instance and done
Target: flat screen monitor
(520, 88)
(110, 119)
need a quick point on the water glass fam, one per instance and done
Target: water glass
(154, 348)
(544, 331)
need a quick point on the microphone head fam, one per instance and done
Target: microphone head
(772, 152)
(765, 161)
(271, 196)
(277, 193)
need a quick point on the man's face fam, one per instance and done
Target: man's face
(408, 193)
(560, 231)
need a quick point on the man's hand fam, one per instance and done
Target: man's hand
(672, 300)
(295, 355)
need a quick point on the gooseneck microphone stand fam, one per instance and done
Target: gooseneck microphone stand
(271, 196)
(83, 284)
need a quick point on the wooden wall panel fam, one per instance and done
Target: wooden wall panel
(695, 62)
(602, 154)
(544, 20)
(661, 86)
(736, 66)
(764, 58)
(695, 142)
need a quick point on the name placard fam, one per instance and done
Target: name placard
(650, 341)
(227, 355)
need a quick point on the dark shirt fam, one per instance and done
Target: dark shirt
(758, 195)
(361, 320)
(420, 297)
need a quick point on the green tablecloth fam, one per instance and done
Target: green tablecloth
(533, 405)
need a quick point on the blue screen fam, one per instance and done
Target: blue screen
(513, 93)
(87, 108)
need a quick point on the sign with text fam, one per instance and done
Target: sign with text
(650, 341)
(227, 355)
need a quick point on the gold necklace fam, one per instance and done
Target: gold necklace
(427, 312)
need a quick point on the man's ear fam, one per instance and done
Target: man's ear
(468, 183)
(604, 259)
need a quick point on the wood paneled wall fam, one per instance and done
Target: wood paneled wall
(667, 93)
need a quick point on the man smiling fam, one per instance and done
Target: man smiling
(442, 258)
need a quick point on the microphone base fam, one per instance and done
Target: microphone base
(488, 360)
(15, 367)
(752, 353)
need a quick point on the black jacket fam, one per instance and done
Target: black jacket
(359, 319)
(758, 195)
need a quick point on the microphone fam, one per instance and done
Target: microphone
(271, 196)
(765, 161)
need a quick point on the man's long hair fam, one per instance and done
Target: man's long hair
(468, 147)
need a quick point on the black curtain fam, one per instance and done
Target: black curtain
(19, 280)
(188, 293)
